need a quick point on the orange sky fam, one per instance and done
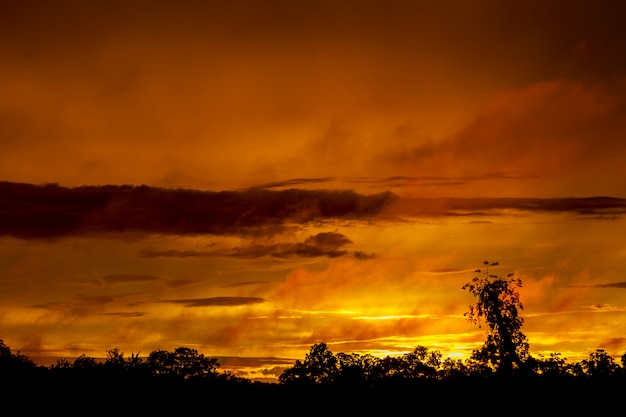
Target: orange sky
(418, 139)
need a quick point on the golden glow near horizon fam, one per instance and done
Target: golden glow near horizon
(515, 109)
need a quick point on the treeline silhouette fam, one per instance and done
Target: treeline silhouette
(184, 379)
(319, 367)
(501, 377)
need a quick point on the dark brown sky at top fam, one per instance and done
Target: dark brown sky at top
(212, 94)
(490, 34)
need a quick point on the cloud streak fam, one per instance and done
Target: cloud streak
(620, 285)
(217, 301)
(325, 244)
(426, 207)
(125, 314)
(436, 181)
(293, 182)
(129, 278)
(613, 285)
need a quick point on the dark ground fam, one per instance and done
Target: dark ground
(116, 398)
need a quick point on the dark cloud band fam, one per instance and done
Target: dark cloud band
(33, 211)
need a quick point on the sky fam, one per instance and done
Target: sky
(248, 178)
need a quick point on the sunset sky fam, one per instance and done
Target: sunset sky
(248, 178)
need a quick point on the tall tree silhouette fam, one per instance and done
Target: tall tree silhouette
(498, 304)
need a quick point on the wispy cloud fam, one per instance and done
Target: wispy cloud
(79, 305)
(175, 283)
(621, 284)
(325, 244)
(129, 278)
(605, 308)
(217, 301)
(433, 180)
(293, 182)
(429, 207)
(244, 284)
(126, 314)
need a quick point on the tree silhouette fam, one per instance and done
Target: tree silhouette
(498, 304)
(422, 363)
(118, 366)
(13, 362)
(599, 364)
(418, 364)
(320, 366)
(552, 366)
(353, 368)
(185, 363)
(85, 362)
(61, 364)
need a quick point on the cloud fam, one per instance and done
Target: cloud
(79, 306)
(244, 284)
(418, 182)
(288, 250)
(82, 306)
(327, 244)
(129, 278)
(293, 182)
(30, 211)
(362, 255)
(175, 283)
(217, 301)
(614, 344)
(604, 308)
(621, 284)
(612, 285)
(328, 239)
(33, 211)
(435, 207)
(97, 299)
(176, 253)
(126, 314)
(559, 134)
